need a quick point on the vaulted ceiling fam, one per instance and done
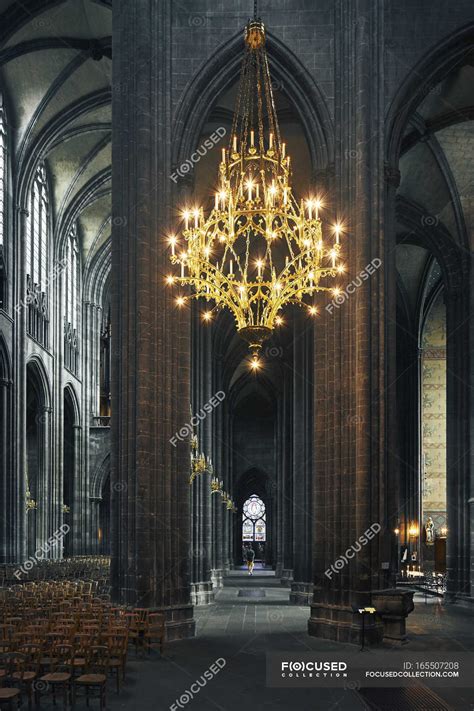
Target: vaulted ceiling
(436, 175)
(55, 74)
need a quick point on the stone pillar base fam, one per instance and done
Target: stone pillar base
(394, 606)
(341, 624)
(180, 623)
(202, 593)
(286, 577)
(461, 600)
(301, 593)
(217, 578)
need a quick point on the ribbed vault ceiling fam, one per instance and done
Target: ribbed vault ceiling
(436, 171)
(55, 72)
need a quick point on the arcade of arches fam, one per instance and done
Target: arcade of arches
(358, 416)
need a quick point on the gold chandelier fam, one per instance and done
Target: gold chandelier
(258, 248)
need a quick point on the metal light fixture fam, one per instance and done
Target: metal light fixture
(200, 462)
(257, 248)
(216, 485)
(30, 503)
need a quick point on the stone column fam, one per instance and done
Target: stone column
(5, 470)
(20, 520)
(353, 448)
(458, 559)
(227, 535)
(91, 325)
(201, 584)
(49, 511)
(469, 540)
(302, 586)
(286, 494)
(78, 519)
(94, 520)
(218, 459)
(151, 368)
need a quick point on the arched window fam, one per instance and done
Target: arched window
(71, 302)
(37, 257)
(3, 206)
(254, 526)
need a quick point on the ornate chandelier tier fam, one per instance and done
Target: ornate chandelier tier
(258, 248)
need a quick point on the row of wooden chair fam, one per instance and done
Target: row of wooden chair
(59, 636)
(79, 567)
(23, 669)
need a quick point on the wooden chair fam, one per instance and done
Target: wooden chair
(26, 664)
(61, 675)
(82, 645)
(96, 677)
(5, 638)
(117, 643)
(9, 695)
(134, 629)
(155, 633)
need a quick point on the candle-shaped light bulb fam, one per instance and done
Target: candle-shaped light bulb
(196, 218)
(271, 141)
(257, 191)
(186, 219)
(252, 137)
(272, 193)
(223, 155)
(231, 267)
(235, 144)
(283, 150)
(249, 189)
(309, 205)
(317, 205)
(285, 195)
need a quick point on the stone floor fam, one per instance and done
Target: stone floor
(240, 629)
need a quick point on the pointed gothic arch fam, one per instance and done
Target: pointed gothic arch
(221, 71)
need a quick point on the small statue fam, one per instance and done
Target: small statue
(430, 531)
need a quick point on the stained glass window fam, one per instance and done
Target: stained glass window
(71, 306)
(38, 273)
(37, 231)
(254, 526)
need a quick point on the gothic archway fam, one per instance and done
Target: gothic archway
(6, 483)
(38, 484)
(221, 70)
(70, 466)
